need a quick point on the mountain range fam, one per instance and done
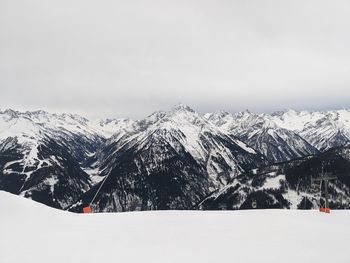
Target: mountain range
(176, 159)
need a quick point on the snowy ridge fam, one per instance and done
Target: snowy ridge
(324, 130)
(309, 131)
(263, 134)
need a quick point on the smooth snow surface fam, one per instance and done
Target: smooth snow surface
(32, 232)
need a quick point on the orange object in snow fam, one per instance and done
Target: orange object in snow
(325, 210)
(87, 210)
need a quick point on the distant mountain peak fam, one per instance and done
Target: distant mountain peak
(268, 124)
(182, 107)
(245, 113)
(12, 113)
(222, 113)
(36, 112)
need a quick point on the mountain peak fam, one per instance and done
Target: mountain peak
(269, 124)
(36, 112)
(182, 107)
(291, 112)
(244, 114)
(222, 113)
(12, 113)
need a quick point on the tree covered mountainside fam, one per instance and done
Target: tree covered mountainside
(293, 184)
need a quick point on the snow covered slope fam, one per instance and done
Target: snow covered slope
(31, 232)
(72, 131)
(170, 160)
(183, 127)
(324, 130)
(41, 155)
(108, 127)
(263, 134)
(286, 135)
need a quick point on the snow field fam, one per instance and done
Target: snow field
(32, 232)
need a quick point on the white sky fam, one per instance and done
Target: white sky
(129, 58)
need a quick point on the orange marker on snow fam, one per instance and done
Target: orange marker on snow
(325, 210)
(87, 210)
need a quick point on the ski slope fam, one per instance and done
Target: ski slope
(32, 232)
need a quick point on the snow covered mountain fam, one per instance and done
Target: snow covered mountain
(42, 154)
(289, 185)
(324, 130)
(261, 133)
(220, 153)
(170, 160)
(109, 127)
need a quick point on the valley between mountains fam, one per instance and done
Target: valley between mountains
(177, 159)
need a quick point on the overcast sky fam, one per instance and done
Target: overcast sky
(129, 58)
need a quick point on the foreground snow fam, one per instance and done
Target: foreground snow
(31, 232)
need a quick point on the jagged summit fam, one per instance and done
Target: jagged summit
(216, 115)
(182, 107)
(245, 113)
(10, 113)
